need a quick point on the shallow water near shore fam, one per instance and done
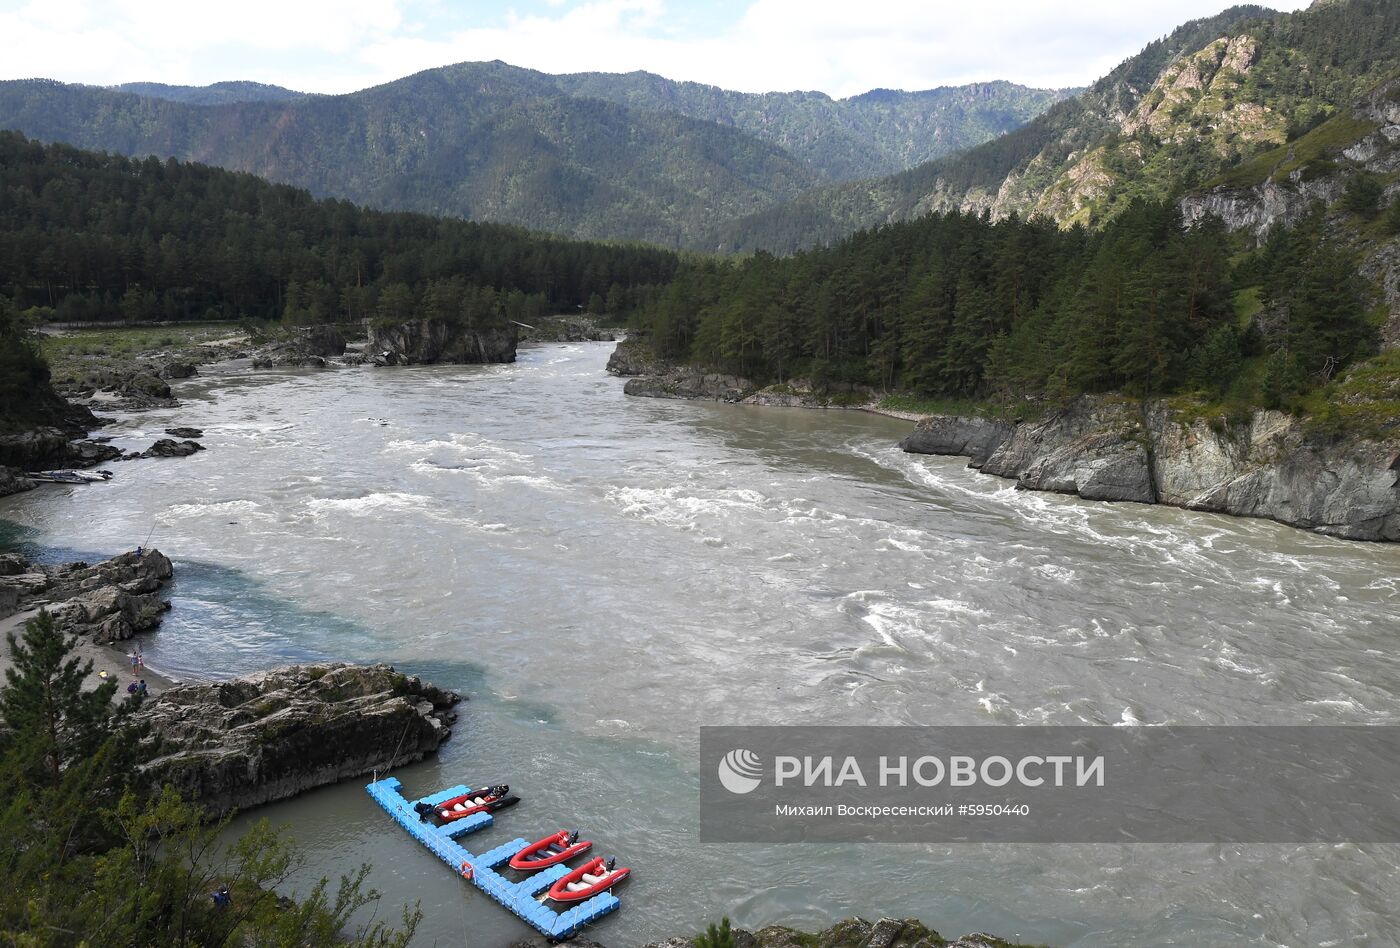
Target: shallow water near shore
(603, 575)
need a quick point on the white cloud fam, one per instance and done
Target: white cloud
(339, 45)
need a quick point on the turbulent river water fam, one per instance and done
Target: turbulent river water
(603, 575)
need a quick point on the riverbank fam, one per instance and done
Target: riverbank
(1268, 464)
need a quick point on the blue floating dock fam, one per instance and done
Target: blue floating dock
(519, 897)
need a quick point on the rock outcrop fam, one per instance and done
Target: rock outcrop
(650, 377)
(135, 389)
(44, 448)
(305, 347)
(427, 341)
(968, 436)
(851, 933)
(251, 740)
(691, 383)
(107, 602)
(169, 448)
(1259, 208)
(565, 328)
(633, 356)
(13, 481)
(1111, 449)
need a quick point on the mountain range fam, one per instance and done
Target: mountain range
(602, 156)
(639, 157)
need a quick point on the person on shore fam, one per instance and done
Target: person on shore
(135, 659)
(131, 689)
(141, 688)
(221, 897)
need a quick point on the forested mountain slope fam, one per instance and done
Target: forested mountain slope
(481, 141)
(1216, 92)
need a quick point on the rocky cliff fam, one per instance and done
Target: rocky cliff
(1269, 466)
(239, 743)
(106, 602)
(425, 341)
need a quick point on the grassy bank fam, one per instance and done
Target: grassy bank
(75, 354)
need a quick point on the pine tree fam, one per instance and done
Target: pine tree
(53, 720)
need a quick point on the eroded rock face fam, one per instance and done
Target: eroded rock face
(264, 737)
(107, 602)
(1096, 450)
(1103, 449)
(960, 436)
(1259, 208)
(1268, 468)
(427, 341)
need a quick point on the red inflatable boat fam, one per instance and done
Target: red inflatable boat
(550, 850)
(587, 881)
(477, 801)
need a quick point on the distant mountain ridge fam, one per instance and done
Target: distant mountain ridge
(217, 93)
(592, 155)
(879, 132)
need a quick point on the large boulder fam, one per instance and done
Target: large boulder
(177, 370)
(264, 737)
(169, 448)
(323, 341)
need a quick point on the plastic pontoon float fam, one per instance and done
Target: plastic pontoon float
(480, 871)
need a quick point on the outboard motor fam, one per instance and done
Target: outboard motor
(572, 838)
(423, 810)
(608, 866)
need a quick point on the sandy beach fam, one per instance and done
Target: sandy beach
(113, 661)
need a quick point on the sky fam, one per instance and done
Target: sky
(841, 48)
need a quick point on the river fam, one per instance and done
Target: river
(604, 574)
